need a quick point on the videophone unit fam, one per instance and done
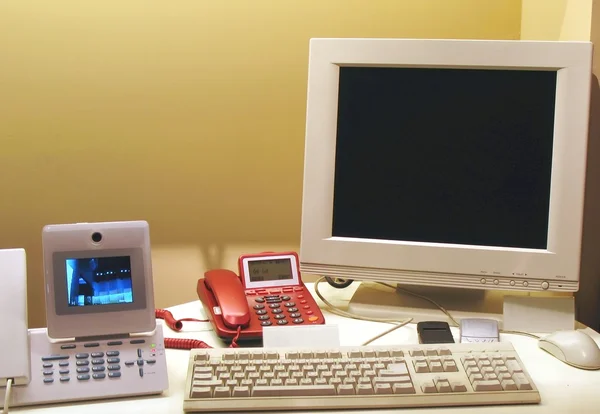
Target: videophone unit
(102, 340)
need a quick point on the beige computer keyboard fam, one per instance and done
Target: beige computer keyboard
(262, 379)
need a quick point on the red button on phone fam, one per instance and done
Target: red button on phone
(275, 291)
(300, 296)
(303, 301)
(249, 292)
(309, 312)
(313, 318)
(298, 289)
(306, 307)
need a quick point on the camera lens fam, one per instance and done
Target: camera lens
(96, 237)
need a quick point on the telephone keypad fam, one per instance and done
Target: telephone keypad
(278, 303)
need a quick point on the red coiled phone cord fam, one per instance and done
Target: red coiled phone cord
(182, 343)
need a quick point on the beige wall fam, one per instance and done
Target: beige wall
(188, 114)
(556, 19)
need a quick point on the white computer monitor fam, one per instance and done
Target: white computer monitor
(448, 163)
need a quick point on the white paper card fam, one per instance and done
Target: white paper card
(312, 336)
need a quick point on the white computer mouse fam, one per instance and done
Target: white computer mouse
(575, 348)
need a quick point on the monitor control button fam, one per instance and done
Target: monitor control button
(512, 282)
(496, 281)
(482, 281)
(545, 285)
(526, 283)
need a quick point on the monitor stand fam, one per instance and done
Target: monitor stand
(374, 300)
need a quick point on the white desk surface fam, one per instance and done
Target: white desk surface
(563, 389)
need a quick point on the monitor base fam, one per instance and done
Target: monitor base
(375, 300)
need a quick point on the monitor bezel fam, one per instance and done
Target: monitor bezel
(558, 263)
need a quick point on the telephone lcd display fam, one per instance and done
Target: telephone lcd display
(269, 270)
(99, 281)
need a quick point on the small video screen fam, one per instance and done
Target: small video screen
(99, 281)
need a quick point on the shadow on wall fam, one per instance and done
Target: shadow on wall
(588, 298)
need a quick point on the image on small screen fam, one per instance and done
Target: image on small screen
(99, 281)
(269, 270)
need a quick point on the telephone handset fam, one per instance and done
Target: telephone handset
(228, 292)
(267, 292)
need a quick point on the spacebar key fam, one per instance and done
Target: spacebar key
(292, 390)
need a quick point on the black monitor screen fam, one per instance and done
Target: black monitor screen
(99, 281)
(459, 156)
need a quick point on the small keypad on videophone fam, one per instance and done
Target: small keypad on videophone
(96, 365)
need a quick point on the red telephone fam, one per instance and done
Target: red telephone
(268, 292)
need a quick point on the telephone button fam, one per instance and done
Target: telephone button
(274, 305)
(306, 307)
(48, 380)
(137, 341)
(68, 346)
(303, 301)
(114, 343)
(112, 353)
(54, 357)
(292, 309)
(47, 365)
(298, 320)
(65, 379)
(289, 304)
(298, 289)
(287, 290)
(82, 356)
(257, 307)
(91, 345)
(276, 311)
(266, 323)
(313, 318)
(300, 296)
(282, 322)
(63, 364)
(275, 291)
(280, 316)
(83, 377)
(286, 297)
(261, 312)
(259, 300)
(295, 315)
(309, 312)
(97, 354)
(263, 318)
(250, 293)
